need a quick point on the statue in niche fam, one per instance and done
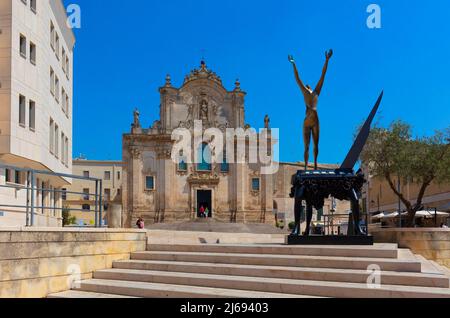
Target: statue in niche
(204, 110)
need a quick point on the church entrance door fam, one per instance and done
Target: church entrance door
(204, 203)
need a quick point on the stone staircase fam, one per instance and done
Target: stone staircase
(267, 271)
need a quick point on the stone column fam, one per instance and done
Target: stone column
(135, 180)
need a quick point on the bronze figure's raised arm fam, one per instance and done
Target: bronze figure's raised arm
(311, 125)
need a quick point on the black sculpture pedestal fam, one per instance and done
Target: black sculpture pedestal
(313, 187)
(329, 240)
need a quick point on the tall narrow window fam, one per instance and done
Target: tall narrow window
(23, 46)
(32, 115)
(63, 99)
(256, 184)
(225, 167)
(63, 151)
(86, 194)
(56, 141)
(67, 105)
(22, 110)
(57, 88)
(52, 35)
(204, 158)
(51, 136)
(57, 45)
(67, 67)
(66, 149)
(107, 175)
(33, 6)
(150, 183)
(86, 174)
(63, 60)
(33, 53)
(52, 81)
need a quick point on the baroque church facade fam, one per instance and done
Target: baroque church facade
(158, 189)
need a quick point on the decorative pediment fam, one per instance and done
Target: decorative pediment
(203, 73)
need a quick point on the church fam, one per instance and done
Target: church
(161, 190)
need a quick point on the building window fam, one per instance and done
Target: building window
(107, 175)
(52, 138)
(52, 81)
(118, 175)
(57, 89)
(8, 177)
(33, 53)
(63, 60)
(182, 166)
(150, 183)
(66, 151)
(17, 177)
(86, 194)
(33, 6)
(57, 45)
(52, 35)
(86, 174)
(67, 67)
(256, 184)
(118, 192)
(63, 150)
(67, 105)
(225, 167)
(86, 208)
(22, 110)
(23, 46)
(204, 158)
(56, 141)
(63, 97)
(32, 115)
(64, 194)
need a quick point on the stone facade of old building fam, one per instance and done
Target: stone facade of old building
(161, 189)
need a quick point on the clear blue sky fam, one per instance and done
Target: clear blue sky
(125, 49)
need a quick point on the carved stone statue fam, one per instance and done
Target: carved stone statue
(136, 122)
(204, 110)
(267, 122)
(311, 125)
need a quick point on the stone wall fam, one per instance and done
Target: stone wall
(37, 262)
(433, 244)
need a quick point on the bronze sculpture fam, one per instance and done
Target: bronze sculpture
(311, 125)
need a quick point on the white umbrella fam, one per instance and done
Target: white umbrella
(431, 213)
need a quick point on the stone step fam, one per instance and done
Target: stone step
(85, 295)
(152, 290)
(377, 251)
(271, 285)
(283, 260)
(319, 274)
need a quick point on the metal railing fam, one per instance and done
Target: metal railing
(32, 189)
(339, 221)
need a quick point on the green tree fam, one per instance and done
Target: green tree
(67, 219)
(392, 154)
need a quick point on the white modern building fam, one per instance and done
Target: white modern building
(36, 59)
